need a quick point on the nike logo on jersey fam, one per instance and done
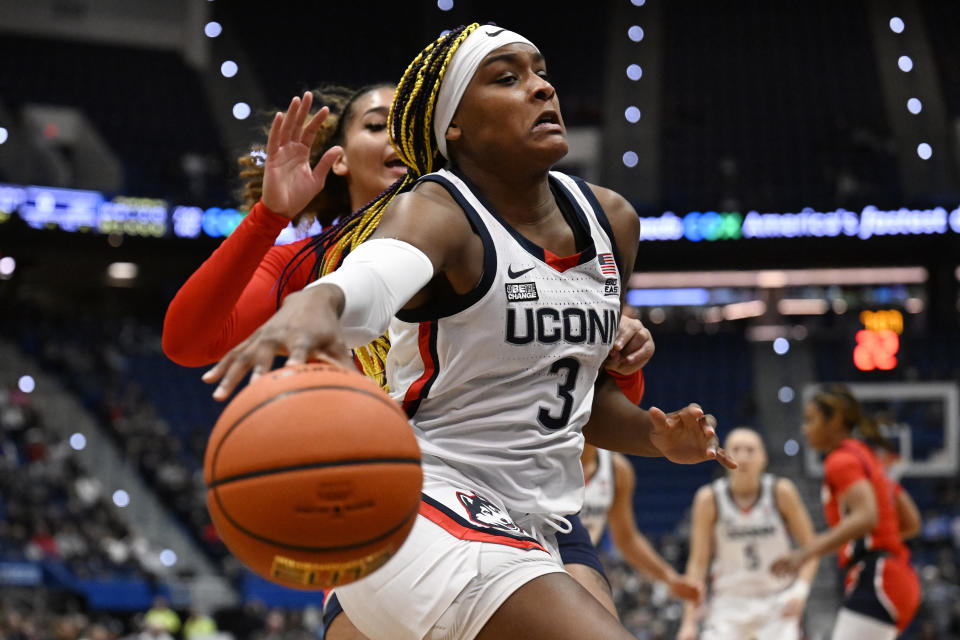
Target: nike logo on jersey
(516, 274)
(494, 34)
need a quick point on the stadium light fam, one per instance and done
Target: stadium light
(212, 29)
(7, 266)
(781, 346)
(791, 447)
(26, 384)
(241, 111)
(802, 307)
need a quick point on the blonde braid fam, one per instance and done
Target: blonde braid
(416, 147)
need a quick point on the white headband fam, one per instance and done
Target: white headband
(463, 65)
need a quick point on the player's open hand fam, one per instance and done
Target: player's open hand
(305, 327)
(632, 348)
(685, 588)
(688, 436)
(789, 564)
(793, 607)
(289, 182)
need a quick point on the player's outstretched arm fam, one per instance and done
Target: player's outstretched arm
(634, 546)
(420, 235)
(703, 518)
(687, 436)
(859, 504)
(800, 526)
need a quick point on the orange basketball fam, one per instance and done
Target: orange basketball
(313, 476)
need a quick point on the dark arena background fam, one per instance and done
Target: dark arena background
(796, 166)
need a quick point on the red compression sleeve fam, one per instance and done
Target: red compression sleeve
(233, 292)
(631, 385)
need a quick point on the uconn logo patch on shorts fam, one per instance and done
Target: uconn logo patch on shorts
(484, 512)
(468, 516)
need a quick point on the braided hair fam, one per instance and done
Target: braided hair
(411, 135)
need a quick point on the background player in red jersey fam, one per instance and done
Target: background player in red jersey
(881, 589)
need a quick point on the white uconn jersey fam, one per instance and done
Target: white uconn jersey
(598, 496)
(498, 382)
(747, 542)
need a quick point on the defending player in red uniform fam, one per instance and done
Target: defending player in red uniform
(881, 589)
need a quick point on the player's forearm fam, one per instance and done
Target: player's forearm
(689, 614)
(617, 424)
(852, 526)
(641, 555)
(809, 570)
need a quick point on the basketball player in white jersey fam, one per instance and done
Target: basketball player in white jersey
(500, 282)
(742, 523)
(608, 500)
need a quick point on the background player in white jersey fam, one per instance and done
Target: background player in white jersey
(742, 523)
(500, 251)
(608, 501)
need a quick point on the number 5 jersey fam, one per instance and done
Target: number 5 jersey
(746, 542)
(498, 382)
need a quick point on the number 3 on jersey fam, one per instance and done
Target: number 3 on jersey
(567, 369)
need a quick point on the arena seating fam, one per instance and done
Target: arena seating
(129, 100)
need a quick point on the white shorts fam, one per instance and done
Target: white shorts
(851, 625)
(464, 557)
(742, 618)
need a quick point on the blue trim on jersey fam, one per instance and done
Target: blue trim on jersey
(331, 609)
(577, 548)
(456, 517)
(457, 303)
(588, 253)
(414, 406)
(602, 219)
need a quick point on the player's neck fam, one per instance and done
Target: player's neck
(744, 490)
(521, 198)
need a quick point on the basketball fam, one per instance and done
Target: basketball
(313, 476)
